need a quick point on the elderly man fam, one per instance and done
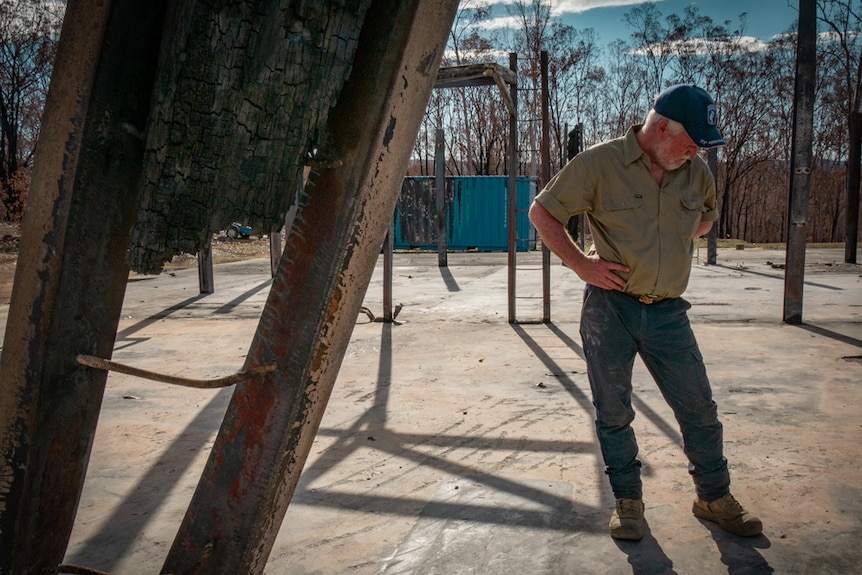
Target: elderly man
(647, 195)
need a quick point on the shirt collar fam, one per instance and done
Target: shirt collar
(632, 152)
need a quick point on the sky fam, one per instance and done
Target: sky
(765, 18)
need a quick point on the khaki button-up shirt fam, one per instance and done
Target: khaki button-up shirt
(634, 222)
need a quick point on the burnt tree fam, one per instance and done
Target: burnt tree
(240, 102)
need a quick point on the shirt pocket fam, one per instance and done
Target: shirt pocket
(623, 217)
(623, 202)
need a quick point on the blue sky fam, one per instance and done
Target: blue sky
(765, 17)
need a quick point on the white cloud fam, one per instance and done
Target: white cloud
(498, 23)
(700, 46)
(560, 7)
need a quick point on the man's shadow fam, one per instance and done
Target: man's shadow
(646, 556)
(739, 553)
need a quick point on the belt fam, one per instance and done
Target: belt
(648, 299)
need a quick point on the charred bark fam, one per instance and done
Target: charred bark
(241, 100)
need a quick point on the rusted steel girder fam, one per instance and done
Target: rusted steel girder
(800, 161)
(270, 424)
(71, 273)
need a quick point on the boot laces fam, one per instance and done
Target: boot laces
(628, 507)
(732, 504)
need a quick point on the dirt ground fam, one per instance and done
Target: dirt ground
(225, 250)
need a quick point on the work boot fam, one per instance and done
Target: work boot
(627, 520)
(729, 514)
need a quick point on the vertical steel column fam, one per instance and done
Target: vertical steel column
(711, 237)
(388, 257)
(854, 160)
(440, 196)
(513, 188)
(205, 269)
(270, 424)
(545, 178)
(800, 164)
(275, 239)
(71, 274)
(582, 218)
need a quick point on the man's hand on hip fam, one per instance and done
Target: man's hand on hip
(600, 273)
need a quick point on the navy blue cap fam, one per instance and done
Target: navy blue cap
(694, 109)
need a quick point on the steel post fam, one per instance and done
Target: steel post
(543, 181)
(800, 164)
(440, 198)
(513, 189)
(71, 274)
(854, 163)
(712, 236)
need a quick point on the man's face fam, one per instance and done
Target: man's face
(674, 149)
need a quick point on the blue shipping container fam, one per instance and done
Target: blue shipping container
(476, 209)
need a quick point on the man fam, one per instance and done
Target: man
(647, 196)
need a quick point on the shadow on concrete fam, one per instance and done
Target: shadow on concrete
(229, 306)
(553, 367)
(134, 328)
(131, 516)
(822, 331)
(582, 398)
(775, 276)
(449, 280)
(646, 556)
(740, 554)
(369, 432)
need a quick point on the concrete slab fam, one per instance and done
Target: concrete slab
(455, 442)
(472, 526)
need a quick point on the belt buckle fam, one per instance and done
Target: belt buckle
(646, 299)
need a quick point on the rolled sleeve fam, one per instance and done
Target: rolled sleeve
(710, 213)
(554, 207)
(569, 192)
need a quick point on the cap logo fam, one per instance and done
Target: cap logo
(711, 115)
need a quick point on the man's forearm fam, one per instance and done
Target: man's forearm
(556, 237)
(703, 229)
(592, 269)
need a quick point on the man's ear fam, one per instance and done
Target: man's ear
(663, 126)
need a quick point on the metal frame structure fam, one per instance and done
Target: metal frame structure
(485, 74)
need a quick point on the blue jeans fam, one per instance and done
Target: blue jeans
(616, 326)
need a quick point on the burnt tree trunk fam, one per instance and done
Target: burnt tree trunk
(240, 102)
